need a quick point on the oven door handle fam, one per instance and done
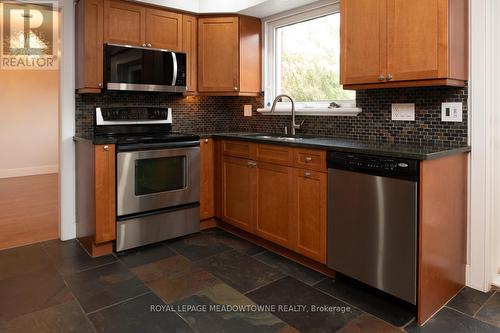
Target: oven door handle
(159, 145)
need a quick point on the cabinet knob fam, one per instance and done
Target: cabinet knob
(251, 164)
(389, 77)
(307, 174)
(381, 78)
(235, 88)
(106, 147)
(100, 85)
(143, 45)
(206, 140)
(149, 44)
(308, 159)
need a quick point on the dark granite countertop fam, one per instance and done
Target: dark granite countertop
(412, 151)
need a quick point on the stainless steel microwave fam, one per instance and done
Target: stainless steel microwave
(144, 69)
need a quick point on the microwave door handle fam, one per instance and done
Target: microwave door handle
(174, 59)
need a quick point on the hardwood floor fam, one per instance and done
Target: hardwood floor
(28, 210)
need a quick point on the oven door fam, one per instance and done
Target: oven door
(148, 180)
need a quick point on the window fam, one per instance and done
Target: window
(303, 58)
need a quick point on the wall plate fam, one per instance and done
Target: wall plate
(247, 110)
(403, 111)
(451, 111)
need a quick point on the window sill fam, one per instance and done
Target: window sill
(345, 112)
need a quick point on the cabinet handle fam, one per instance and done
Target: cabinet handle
(149, 44)
(308, 159)
(251, 164)
(389, 77)
(381, 78)
(106, 148)
(206, 140)
(307, 174)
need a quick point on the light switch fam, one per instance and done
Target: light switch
(403, 111)
(451, 111)
(247, 110)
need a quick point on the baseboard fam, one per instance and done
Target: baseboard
(21, 172)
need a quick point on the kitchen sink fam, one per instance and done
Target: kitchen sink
(276, 137)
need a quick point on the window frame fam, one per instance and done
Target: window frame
(270, 26)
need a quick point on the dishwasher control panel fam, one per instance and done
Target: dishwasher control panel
(376, 165)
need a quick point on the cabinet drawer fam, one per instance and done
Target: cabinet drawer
(275, 154)
(238, 149)
(310, 159)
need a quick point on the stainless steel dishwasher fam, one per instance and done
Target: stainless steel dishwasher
(372, 221)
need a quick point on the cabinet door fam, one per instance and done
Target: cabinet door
(417, 41)
(124, 23)
(190, 46)
(238, 192)
(163, 29)
(310, 194)
(363, 41)
(89, 46)
(218, 54)
(207, 179)
(105, 202)
(274, 203)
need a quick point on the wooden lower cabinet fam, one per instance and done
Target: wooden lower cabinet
(274, 203)
(281, 203)
(95, 196)
(309, 192)
(238, 192)
(207, 176)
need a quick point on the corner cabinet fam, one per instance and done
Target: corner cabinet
(229, 55)
(400, 43)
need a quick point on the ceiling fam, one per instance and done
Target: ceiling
(258, 8)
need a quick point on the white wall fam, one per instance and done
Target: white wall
(29, 107)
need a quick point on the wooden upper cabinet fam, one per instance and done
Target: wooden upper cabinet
(190, 46)
(409, 43)
(124, 23)
(89, 45)
(163, 29)
(229, 55)
(363, 41)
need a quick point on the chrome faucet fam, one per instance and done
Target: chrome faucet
(273, 108)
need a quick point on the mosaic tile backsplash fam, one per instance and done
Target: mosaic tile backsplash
(202, 114)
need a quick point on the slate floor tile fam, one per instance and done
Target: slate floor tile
(62, 318)
(490, 312)
(469, 300)
(22, 260)
(240, 271)
(136, 316)
(145, 255)
(69, 256)
(209, 320)
(198, 246)
(174, 278)
(450, 321)
(238, 244)
(32, 291)
(104, 286)
(291, 292)
(369, 300)
(369, 324)
(290, 267)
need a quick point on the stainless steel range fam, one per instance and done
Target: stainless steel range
(157, 170)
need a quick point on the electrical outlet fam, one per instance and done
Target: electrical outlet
(403, 111)
(247, 110)
(451, 111)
